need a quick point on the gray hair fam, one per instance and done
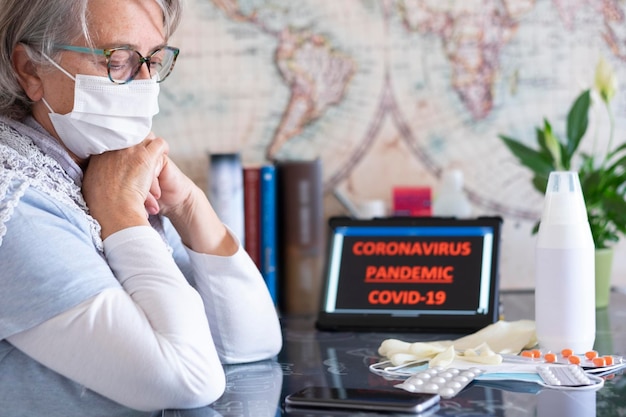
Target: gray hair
(40, 25)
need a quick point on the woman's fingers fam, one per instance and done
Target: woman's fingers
(121, 186)
(152, 203)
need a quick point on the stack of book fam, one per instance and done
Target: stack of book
(281, 213)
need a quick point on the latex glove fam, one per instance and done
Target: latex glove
(482, 354)
(444, 358)
(484, 346)
(399, 352)
(503, 337)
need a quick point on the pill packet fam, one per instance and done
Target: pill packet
(568, 376)
(447, 382)
(555, 376)
(591, 362)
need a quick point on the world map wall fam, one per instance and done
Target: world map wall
(394, 93)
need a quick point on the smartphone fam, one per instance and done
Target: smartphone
(362, 399)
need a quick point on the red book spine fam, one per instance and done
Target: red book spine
(252, 212)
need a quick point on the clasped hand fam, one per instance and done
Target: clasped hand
(122, 187)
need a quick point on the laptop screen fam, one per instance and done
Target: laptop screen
(411, 273)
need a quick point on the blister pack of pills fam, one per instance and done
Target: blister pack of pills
(591, 362)
(559, 376)
(445, 382)
(565, 376)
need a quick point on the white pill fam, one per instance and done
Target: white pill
(438, 380)
(431, 387)
(446, 392)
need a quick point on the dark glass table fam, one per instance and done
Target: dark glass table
(341, 359)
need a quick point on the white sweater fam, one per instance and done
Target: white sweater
(149, 344)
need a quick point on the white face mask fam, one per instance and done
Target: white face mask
(106, 116)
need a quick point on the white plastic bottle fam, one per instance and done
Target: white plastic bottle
(451, 201)
(564, 270)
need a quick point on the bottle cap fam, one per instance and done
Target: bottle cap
(564, 202)
(452, 180)
(369, 209)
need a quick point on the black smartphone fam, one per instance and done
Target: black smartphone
(362, 399)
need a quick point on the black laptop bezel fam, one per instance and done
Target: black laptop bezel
(337, 321)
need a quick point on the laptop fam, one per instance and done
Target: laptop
(411, 274)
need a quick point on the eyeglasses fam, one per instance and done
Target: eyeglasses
(124, 63)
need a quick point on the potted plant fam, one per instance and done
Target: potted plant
(602, 172)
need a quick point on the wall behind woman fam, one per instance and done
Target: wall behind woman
(392, 93)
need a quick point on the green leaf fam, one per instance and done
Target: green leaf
(541, 140)
(553, 145)
(540, 182)
(544, 146)
(616, 151)
(532, 159)
(616, 165)
(577, 122)
(535, 228)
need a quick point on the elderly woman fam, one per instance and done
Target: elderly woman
(115, 271)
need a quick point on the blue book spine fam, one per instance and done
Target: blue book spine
(268, 229)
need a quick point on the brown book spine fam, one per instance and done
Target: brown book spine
(301, 241)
